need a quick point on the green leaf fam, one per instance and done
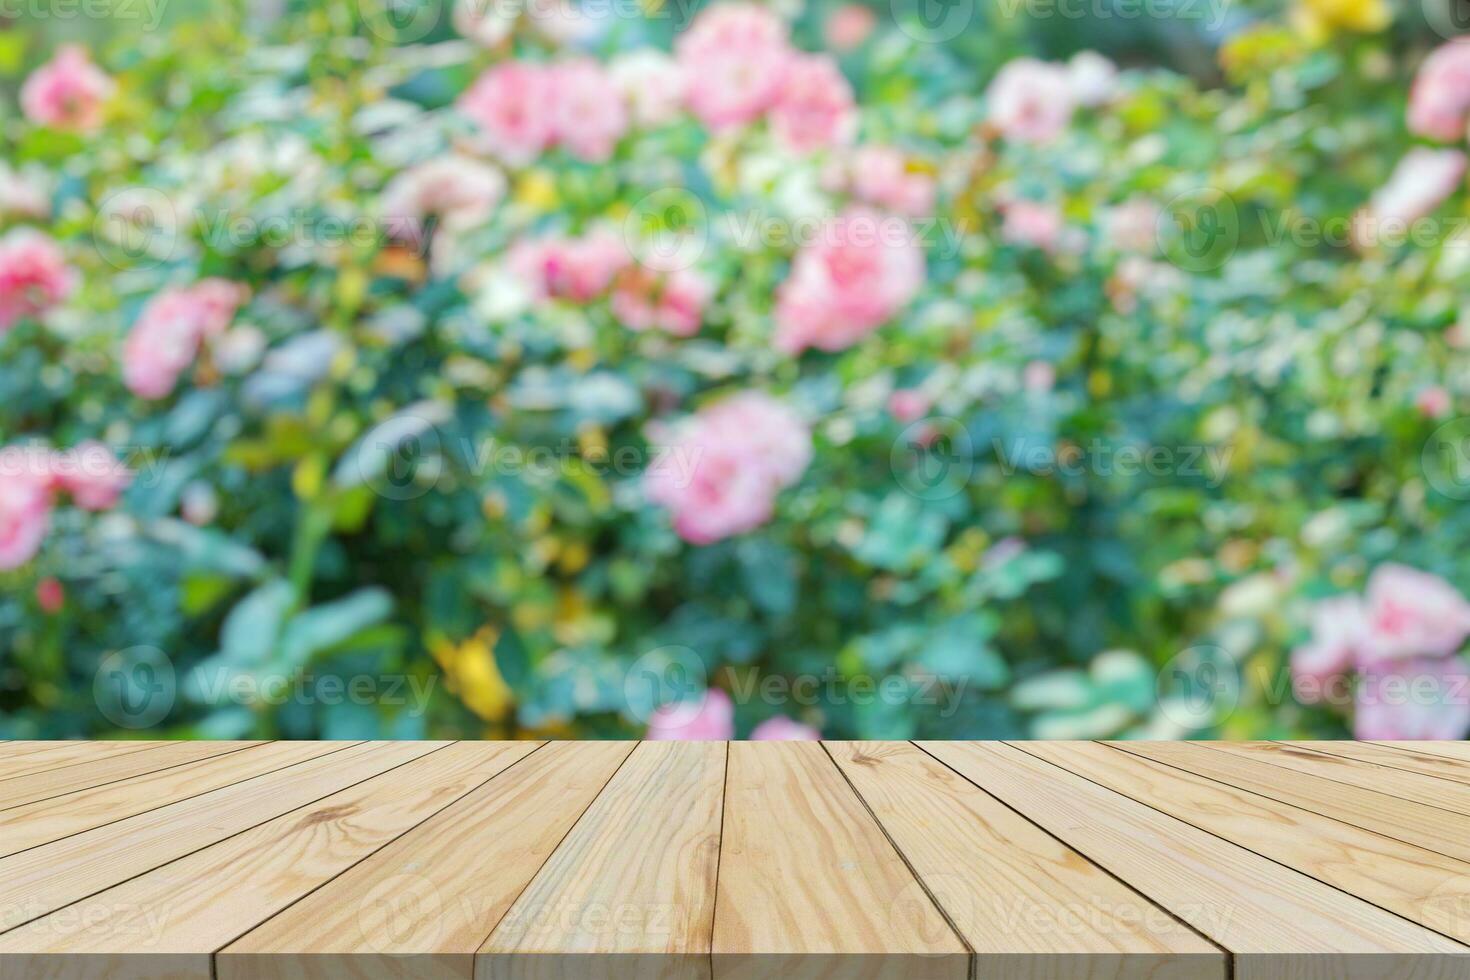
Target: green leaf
(324, 627)
(251, 629)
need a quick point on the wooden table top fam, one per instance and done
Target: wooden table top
(1046, 860)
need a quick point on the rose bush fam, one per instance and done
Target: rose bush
(538, 374)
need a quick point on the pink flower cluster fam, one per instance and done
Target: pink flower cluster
(598, 264)
(859, 272)
(31, 479)
(714, 721)
(880, 175)
(1440, 99)
(34, 276)
(1031, 101)
(1403, 639)
(170, 331)
(720, 474)
(68, 92)
(734, 65)
(740, 66)
(459, 191)
(523, 108)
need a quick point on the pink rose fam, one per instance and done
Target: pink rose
(1412, 614)
(512, 104)
(652, 84)
(849, 26)
(34, 276)
(1133, 226)
(1030, 101)
(712, 721)
(1033, 224)
(1433, 402)
(1419, 183)
(68, 92)
(880, 176)
(1424, 698)
(92, 474)
(1440, 98)
(1039, 376)
(724, 468)
(783, 729)
(166, 339)
(1337, 634)
(644, 298)
(576, 269)
(50, 595)
(588, 113)
(908, 405)
(735, 57)
(815, 108)
(1093, 78)
(462, 193)
(860, 272)
(25, 516)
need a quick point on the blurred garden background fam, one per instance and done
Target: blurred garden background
(601, 369)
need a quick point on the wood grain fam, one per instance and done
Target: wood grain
(1458, 751)
(20, 790)
(170, 920)
(809, 886)
(43, 879)
(424, 904)
(56, 755)
(1276, 922)
(1420, 885)
(38, 823)
(1393, 758)
(1409, 821)
(1027, 904)
(1443, 793)
(630, 893)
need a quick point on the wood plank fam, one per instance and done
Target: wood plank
(1411, 822)
(1443, 793)
(19, 790)
(1383, 755)
(1459, 751)
(424, 904)
(1420, 885)
(38, 823)
(809, 886)
(1030, 907)
(630, 893)
(43, 879)
(63, 754)
(170, 921)
(1278, 923)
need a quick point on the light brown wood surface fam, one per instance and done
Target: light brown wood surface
(716, 861)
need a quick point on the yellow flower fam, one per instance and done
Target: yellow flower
(472, 674)
(536, 190)
(1318, 20)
